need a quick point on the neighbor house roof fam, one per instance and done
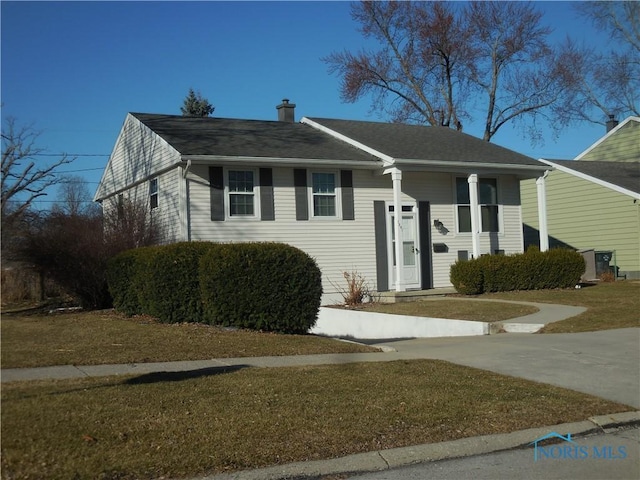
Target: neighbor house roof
(621, 176)
(193, 136)
(424, 143)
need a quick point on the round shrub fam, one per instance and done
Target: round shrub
(261, 286)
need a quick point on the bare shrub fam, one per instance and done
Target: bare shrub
(607, 277)
(73, 250)
(357, 289)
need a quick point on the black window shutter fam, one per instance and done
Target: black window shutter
(216, 188)
(346, 186)
(267, 209)
(382, 261)
(424, 216)
(302, 201)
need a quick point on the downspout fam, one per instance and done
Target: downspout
(542, 211)
(475, 218)
(396, 178)
(184, 203)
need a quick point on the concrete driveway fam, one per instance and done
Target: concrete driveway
(605, 363)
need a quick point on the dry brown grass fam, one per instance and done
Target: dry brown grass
(456, 309)
(609, 305)
(221, 420)
(104, 337)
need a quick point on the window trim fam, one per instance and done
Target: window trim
(154, 197)
(228, 194)
(337, 194)
(457, 206)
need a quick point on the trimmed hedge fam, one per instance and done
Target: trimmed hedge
(124, 278)
(170, 289)
(261, 286)
(532, 270)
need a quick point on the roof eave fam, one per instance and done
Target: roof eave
(592, 179)
(241, 159)
(474, 166)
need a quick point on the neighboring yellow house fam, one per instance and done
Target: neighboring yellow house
(593, 202)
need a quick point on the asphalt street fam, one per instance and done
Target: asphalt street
(606, 456)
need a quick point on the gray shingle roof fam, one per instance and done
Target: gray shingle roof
(419, 142)
(622, 174)
(251, 138)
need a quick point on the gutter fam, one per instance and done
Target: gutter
(144, 179)
(592, 179)
(225, 159)
(469, 165)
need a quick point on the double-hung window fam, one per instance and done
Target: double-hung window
(488, 202)
(488, 192)
(242, 195)
(153, 193)
(324, 194)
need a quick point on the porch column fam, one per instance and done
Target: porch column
(542, 212)
(396, 178)
(475, 218)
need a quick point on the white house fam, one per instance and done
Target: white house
(329, 187)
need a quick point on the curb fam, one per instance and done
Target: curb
(399, 457)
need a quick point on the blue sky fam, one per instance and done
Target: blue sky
(74, 69)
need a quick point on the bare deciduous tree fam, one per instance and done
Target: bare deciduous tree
(73, 249)
(605, 84)
(24, 176)
(74, 197)
(440, 63)
(129, 224)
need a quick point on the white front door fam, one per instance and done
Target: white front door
(410, 251)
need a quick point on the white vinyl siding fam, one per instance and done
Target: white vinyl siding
(137, 156)
(340, 246)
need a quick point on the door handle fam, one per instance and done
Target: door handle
(414, 250)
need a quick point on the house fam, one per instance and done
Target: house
(329, 187)
(593, 201)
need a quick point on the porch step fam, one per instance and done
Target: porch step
(513, 327)
(412, 295)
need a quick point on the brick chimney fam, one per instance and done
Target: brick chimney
(286, 111)
(611, 123)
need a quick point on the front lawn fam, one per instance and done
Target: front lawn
(450, 308)
(609, 305)
(176, 425)
(104, 337)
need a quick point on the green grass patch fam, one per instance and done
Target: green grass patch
(609, 305)
(456, 309)
(215, 421)
(105, 337)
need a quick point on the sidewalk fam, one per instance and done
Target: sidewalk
(547, 313)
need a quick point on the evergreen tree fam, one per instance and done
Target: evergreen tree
(196, 106)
